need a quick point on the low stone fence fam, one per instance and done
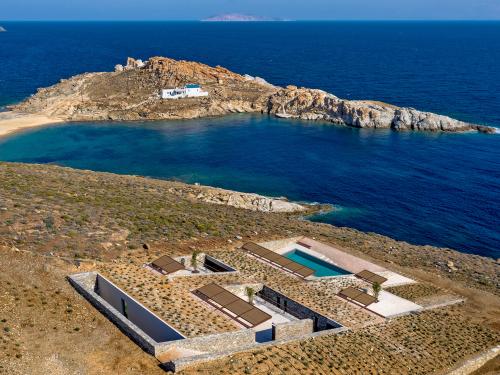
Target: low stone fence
(476, 362)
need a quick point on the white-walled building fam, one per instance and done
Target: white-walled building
(188, 91)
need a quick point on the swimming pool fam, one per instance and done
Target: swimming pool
(320, 267)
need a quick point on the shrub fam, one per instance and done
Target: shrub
(250, 292)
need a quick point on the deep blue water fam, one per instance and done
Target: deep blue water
(320, 267)
(424, 188)
(440, 189)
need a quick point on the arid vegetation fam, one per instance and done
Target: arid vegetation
(56, 221)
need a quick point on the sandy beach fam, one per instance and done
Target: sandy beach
(13, 121)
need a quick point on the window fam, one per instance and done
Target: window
(124, 308)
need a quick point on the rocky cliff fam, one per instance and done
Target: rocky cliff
(308, 104)
(131, 92)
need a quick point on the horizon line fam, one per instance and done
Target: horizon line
(259, 21)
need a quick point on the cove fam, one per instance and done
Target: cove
(424, 188)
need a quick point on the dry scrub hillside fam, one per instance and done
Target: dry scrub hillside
(83, 214)
(55, 221)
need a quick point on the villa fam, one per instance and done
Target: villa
(188, 91)
(194, 308)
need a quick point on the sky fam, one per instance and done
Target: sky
(289, 9)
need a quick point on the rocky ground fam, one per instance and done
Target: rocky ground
(55, 221)
(132, 93)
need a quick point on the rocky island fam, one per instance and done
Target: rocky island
(132, 92)
(238, 17)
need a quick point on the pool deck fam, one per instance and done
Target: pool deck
(338, 258)
(390, 305)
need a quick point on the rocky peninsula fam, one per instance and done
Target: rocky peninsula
(132, 92)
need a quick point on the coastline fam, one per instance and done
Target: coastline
(101, 96)
(11, 122)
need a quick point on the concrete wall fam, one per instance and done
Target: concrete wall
(153, 326)
(298, 310)
(290, 330)
(84, 284)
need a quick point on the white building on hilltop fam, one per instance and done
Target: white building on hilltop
(188, 91)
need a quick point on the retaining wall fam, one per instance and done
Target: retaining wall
(476, 362)
(183, 363)
(290, 330)
(211, 343)
(298, 310)
(84, 283)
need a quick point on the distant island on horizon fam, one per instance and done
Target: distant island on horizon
(238, 17)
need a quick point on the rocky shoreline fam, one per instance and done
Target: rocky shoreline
(247, 201)
(131, 92)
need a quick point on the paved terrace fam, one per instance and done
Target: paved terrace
(337, 257)
(174, 303)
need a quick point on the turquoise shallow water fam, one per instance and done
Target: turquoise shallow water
(320, 267)
(439, 189)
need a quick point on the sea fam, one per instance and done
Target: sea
(423, 188)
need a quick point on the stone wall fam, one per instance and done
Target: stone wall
(203, 271)
(183, 363)
(290, 330)
(279, 244)
(476, 362)
(211, 343)
(296, 309)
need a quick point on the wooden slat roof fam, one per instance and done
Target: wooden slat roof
(235, 307)
(278, 259)
(358, 296)
(371, 277)
(167, 264)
